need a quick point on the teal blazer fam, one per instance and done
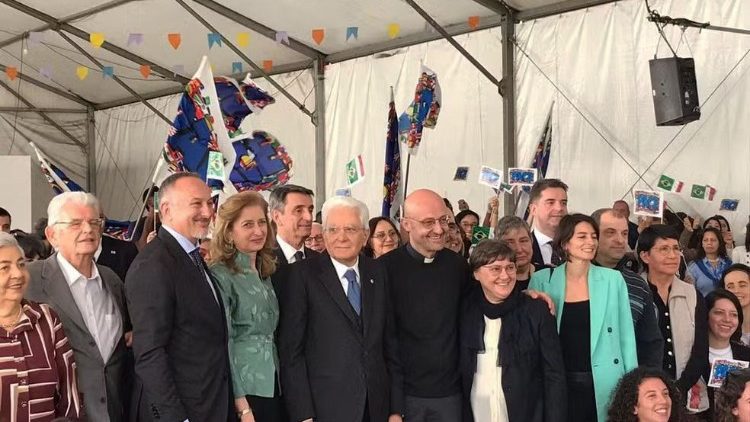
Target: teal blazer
(612, 337)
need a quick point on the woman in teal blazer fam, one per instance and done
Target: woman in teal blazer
(593, 319)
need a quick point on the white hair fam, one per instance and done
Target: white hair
(8, 240)
(56, 205)
(346, 202)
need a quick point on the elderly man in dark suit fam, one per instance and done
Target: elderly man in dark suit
(179, 326)
(338, 352)
(90, 301)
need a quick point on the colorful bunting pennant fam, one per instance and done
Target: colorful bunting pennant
(267, 65)
(352, 32)
(12, 72)
(108, 71)
(237, 67)
(96, 39)
(282, 37)
(174, 40)
(214, 38)
(243, 39)
(473, 22)
(393, 30)
(318, 35)
(46, 72)
(135, 39)
(82, 72)
(145, 71)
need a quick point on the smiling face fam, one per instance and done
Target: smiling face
(582, 246)
(188, 208)
(723, 320)
(497, 279)
(344, 234)
(613, 240)
(295, 221)
(72, 240)
(454, 240)
(467, 225)
(249, 230)
(14, 277)
(654, 403)
(384, 239)
(549, 209)
(738, 282)
(519, 240)
(426, 220)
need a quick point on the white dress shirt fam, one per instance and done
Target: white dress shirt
(289, 250)
(96, 304)
(545, 246)
(341, 269)
(487, 396)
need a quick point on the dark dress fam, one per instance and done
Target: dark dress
(575, 339)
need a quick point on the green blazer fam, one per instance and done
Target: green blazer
(613, 350)
(252, 316)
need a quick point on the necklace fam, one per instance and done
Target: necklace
(13, 324)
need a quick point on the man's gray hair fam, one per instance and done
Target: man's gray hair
(8, 240)
(346, 202)
(56, 205)
(508, 223)
(168, 184)
(277, 199)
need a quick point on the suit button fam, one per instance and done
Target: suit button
(103, 400)
(609, 329)
(617, 361)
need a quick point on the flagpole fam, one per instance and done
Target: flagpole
(157, 170)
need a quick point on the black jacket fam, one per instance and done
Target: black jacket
(533, 373)
(117, 254)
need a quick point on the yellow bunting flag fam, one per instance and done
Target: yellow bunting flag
(473, 22)
(145, 71)
(393, 30)
(267, 65)
(97, 39)
(12, 72)
(174, 40)
(318, 35)
(243, 39)
(82, 72)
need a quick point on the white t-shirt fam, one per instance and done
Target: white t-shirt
(714, 354)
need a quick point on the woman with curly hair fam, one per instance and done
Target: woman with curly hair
(733, 398)
(645, 395)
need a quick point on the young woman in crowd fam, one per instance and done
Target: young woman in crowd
(645, 395)
(454, 239)
(243, 260)
(467, 220)
(733, 398)
(37, 364)
(384, 237)
(516, 233)
(510, 357)
(710, 262)
(593, 319)
(736, 279)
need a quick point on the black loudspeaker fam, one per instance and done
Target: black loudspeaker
(675, 91)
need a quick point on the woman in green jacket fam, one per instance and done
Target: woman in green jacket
(593, 319)
(242, 260)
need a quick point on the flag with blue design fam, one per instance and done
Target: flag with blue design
(540, 163)
(392, 176)
(423, 110)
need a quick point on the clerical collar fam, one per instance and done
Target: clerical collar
(418, 256)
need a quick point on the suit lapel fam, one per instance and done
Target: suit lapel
(536, 251)
(367, 282)
(57, 291)
(557, 290)
(598, 295)
(280, 258)
(330, 280)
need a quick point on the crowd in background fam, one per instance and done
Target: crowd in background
(264, 310)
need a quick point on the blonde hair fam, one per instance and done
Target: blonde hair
(223, 250)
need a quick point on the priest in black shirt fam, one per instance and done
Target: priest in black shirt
(427, 283)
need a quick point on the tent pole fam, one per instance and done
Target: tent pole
(43, 115)
(91, 150)
(508, 91)
(48, 110)
(319, 119)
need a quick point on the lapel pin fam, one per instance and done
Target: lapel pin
(371, 281)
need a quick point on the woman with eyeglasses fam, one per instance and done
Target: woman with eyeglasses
(710, 263)
(593, 319)
(510, 358)
(736, 279)
(384, 237)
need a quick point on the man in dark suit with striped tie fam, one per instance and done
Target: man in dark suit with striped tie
(548, 204)
(291, 208)
(179, 326)
(337, 341)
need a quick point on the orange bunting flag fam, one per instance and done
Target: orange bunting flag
(393, 30)
(473, 22)
(145, 71)
(97, 39)
(267, 65)
(12, 72)
(174, 40)
(318, 35)
(243, 39)
(82, 72)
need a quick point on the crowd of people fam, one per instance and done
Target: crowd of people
(265, 311)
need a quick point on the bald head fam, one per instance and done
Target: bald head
(426, 220)
(421, 200)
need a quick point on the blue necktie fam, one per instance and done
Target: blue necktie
(353, 294)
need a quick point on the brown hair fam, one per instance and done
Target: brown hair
(223, 250)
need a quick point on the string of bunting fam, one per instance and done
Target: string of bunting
(174, 39)
(705, 192)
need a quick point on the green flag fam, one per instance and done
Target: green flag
(670, 184)
(698, 191)
(479, 233)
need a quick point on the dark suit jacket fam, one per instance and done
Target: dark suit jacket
(117, 255)
(333, 362)
(179, 338)
(100, 382)
(278, 279)
(536, 255)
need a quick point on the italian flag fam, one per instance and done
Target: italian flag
(355, 170)
(669, 184)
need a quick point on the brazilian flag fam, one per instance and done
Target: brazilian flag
(479, 233)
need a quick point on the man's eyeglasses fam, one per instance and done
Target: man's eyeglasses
(311, 239)
(429, 223)
(666, 250)
(77, 224)
(348, 230)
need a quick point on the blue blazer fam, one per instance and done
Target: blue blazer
(613, 350)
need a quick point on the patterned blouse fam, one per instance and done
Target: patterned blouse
(252, 315)
(37, 369)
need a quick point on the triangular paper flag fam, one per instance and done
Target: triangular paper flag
(97, 39)
(352, 32)
(82, 72)
(12, 72)
(282, 37)
(174, 40)
(135, 39)
(243, 39)
(318, 35)
(145, 71)
(237, 67)
(267, 65)
(393, 30)
(46, 72)
(108, 71)
(214, 38)
(473, 22)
